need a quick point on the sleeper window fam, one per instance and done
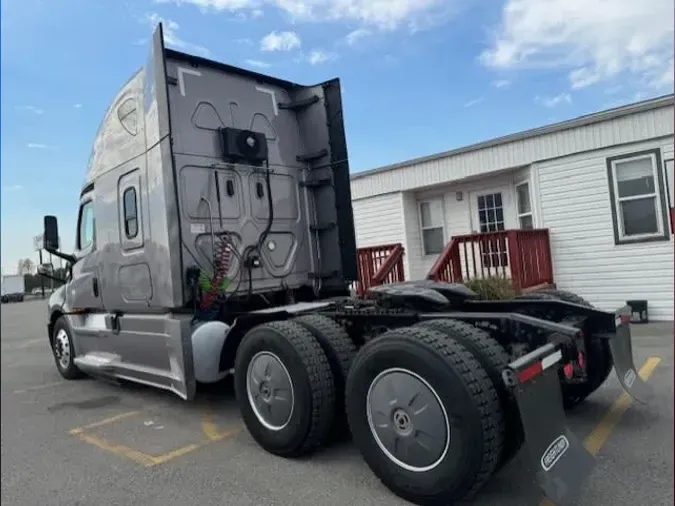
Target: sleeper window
(130, 213)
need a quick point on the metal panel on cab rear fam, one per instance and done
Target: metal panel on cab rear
(311, 241)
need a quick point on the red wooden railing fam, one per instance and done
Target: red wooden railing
(379, 265)
(524, 256)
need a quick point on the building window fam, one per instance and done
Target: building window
(432, 225)
(524, 203)
(669, 178)
(637, 194)
(85, 227)
(490, 212)
(130, 213)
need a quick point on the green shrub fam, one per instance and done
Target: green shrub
(492, 288)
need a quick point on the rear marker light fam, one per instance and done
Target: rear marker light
(581, 360)
(569, 370)
(534, 370)
(624, 318)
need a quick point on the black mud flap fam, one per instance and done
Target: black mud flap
(621, 346)
(560, 460)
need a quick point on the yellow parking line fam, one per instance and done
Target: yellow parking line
(27, 344)
(40, 387)
(599, 436)
(611, 418)
(160, 459)
(117, 449)
(106, 421)
(213, 432)
(209, 428)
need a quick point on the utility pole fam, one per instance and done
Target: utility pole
(42, 278)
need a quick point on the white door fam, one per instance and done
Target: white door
(492, 210)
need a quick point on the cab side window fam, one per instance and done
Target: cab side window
(85, 234)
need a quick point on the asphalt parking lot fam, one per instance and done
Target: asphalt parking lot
(90, 443)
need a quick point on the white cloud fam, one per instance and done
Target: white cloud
(29, 108)
(355, 36)
(562, 98)
(171, 37)
(383, 14)
(502, 83)
(318, 56)
(13, 188)
(35, 145)
(593, 41)
(280, 41)
(257, 13)
(258, 63)
(78, 106)
(473, 102)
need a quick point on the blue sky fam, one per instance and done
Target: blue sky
(418, 76)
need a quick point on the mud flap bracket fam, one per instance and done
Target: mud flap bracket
(561, 462)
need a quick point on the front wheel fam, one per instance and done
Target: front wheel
(63, 350)
(424, 415)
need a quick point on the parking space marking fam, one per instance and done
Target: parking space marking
(213, 432)
(209, 428)
(598, 437)
(600, 434)
(40, 387)
(101, 423)
(22, 345)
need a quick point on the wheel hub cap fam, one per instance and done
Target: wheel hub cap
(407, 420)
(62, 349)
(270, 390)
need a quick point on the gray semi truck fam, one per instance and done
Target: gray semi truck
(215, 236)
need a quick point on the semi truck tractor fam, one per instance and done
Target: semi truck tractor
(215, 237)
(13, 288)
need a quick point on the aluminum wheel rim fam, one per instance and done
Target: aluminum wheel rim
(62, 349)
(270, 390)
(408, 420)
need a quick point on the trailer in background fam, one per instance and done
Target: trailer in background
(13, 288)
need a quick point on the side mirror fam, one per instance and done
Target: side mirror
(51, 234)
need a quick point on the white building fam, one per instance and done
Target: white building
(601, 184)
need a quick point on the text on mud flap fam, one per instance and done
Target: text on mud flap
(554, 451)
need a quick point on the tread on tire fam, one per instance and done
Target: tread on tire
(340, 352)
(467, 395)
(312, 384)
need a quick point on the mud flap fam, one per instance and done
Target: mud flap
(560, 460)
(621, 346)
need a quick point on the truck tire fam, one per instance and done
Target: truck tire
(284, 358)
(414, 383)
(599, 357)
(494, 359)
(340, 352)
(64, 351)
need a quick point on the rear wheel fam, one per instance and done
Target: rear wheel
(284, 388)
(494, 359)
(424, 415)
(340, 352)
(598, 355)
